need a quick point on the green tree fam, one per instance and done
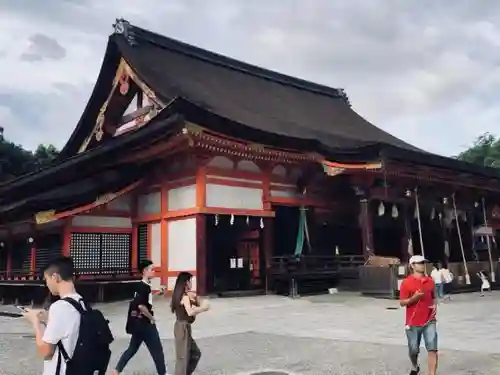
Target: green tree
(44, 156)
(16, 161)
(484, 151)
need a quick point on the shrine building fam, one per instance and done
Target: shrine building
(240, 175)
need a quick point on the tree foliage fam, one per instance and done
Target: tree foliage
(484, 151)
(16, 161)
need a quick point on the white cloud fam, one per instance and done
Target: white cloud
(426, 71)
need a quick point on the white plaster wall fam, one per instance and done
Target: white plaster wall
(247, 165)
(149, 203)
(283, 193)
(234, 197)
(182, 245)
(221, 162)
(155, 247)
(121, 203)
(101, 222)
(181, 198)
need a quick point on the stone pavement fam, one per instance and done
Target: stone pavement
(338, 334)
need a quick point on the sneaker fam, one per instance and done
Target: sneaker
(415, 372)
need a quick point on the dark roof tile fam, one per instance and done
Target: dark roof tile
(248, 94)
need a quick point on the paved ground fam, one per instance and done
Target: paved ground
(341, 334)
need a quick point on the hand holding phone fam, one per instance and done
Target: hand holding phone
(22, 308)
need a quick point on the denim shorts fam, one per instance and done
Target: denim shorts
(414, 335)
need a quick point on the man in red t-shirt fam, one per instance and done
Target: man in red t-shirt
(417, 294)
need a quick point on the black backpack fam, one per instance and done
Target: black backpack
(92, 351)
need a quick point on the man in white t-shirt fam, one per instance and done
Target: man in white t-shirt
(63, 320)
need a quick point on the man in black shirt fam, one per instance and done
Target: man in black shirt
(141, 324)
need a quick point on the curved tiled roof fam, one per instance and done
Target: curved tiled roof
(248, 94)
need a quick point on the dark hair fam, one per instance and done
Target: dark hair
(438, 265)
(144, 264)
(63, 266)
(179, 290)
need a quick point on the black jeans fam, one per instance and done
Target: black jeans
(149, 335)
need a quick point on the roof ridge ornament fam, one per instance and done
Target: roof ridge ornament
(123, 27)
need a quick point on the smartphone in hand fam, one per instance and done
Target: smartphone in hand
(22, 308)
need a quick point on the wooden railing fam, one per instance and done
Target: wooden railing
(20, 275)
(313, 264)
(91, 273)
(81, 274)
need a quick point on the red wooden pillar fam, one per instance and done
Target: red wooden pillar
(164, 235)
(32, 244)
(365, 224)
(268, 246)
(134, 256)
(201, 255)
(134, 261)
(66, 241)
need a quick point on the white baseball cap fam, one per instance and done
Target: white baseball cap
(417, 259)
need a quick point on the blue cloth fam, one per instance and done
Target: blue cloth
(415, 334)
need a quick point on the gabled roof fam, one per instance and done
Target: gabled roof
(244, 93)
(248, 102)
(247, 94)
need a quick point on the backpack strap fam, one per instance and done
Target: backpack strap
(63, 354)
(76, 304)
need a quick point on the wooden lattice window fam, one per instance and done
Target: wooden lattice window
(101, 253)
(48, 248)
(86, 252)
(115, 252)
(142, 245)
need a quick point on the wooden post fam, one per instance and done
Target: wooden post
(164, 236)
(492, 266)
(365, 224)
(446, 243)
(419, 223)
(268, 245)
(467, 276)
(406, 235)
(66, 242)
(32, 258)
(134, 256)
(201, 255)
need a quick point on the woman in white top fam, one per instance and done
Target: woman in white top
(485, 283)
(437, 277)
(448, 280)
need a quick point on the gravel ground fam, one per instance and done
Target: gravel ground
(238, 341)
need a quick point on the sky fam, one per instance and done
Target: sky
(427, 71)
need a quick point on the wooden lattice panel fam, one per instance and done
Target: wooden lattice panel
(3, 259)
(46, 254)
(86, 252)
(101, 253)
(115, 252)
(142, 245)
(21, 256)
(26, 251)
